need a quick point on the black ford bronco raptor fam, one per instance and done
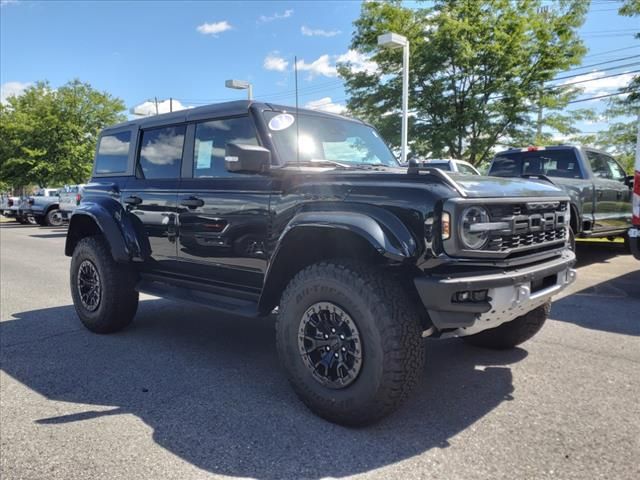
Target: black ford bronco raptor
(252, 208)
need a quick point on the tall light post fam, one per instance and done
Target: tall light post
(393, 40)
(240, 85)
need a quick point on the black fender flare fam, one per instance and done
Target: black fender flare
(381, 229)
(121, 229)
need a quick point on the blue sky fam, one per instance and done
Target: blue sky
(139, 50)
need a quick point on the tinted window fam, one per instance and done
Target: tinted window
(211, 140)
(161, 152)
(440, 165)
(113, 153)
(552, 163)
(604, 166)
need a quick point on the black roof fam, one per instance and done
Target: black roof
(238, 107)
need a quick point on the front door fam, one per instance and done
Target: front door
(223, 217)
(605, 209)
(153, 195)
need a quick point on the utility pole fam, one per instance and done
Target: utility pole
(171, 104)
(156, 99)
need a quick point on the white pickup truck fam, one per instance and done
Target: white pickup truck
(70, 198)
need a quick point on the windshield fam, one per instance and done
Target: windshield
(552, 163)
(324, 138)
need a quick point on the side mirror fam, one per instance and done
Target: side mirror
(628, 180)
(246, 158)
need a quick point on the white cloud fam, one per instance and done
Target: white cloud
(359, 62)
(275, 16)
(164, 106)
(326, 104)
(7, 2)
(214, 28)
(320, 66)
(318, 32)
(593, 84)
(10, 89)
(324, 66)
(274, 62)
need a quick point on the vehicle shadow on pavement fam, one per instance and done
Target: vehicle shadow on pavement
(610, 306)
(588, 253)
(214, 394)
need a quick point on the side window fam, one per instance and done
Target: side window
(616, 172)
(113, 153)
(466, 169)
(161, 152)
(211, 140)
(598, 164)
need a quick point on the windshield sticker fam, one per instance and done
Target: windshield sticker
(280, 122)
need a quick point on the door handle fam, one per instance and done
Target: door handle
(192, 202)
(133, 200)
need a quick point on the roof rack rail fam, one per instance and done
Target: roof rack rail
(415, 168)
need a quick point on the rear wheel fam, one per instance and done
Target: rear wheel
(103, 291)
(512, 333)
(349, 341)
(54, 218)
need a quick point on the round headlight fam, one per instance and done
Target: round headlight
(473, 240)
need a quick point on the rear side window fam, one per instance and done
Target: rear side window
(552, 163)
(441, 165)
(161, 152)
(113, 153)
(211, 140)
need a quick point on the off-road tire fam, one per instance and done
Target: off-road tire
(393, 352)
(119, 299)
(52, 220)
(512, 333)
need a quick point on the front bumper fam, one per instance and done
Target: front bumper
(634, 241)
(510, 294)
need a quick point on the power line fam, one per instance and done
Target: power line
(593, 79)
(603, 96)
(606, 52)
(615, 67)
(582, 67)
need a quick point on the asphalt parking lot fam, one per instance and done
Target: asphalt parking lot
(184, 393)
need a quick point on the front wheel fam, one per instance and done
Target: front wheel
(512, 333)
(103, 291)
(349, 341)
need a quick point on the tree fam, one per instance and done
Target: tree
(49, 135)
(620, 136)
(631, 8)
(477, 72)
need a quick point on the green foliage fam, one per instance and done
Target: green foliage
(620, 137)
(49, 136)
(631, 8)
(476, 71)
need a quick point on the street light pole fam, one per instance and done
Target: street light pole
(393, 40)
(240, 85)
(405, 100)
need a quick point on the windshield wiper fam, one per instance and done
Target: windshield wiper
(318, 162)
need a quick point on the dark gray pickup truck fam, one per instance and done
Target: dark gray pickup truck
(598, 186)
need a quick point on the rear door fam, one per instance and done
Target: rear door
(223, 216)
(152, 196)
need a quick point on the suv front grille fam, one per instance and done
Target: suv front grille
(532, 224)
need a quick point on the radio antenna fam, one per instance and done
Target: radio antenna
(295, 69)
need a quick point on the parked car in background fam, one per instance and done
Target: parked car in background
(69, 199)
(598, 186)
(43, 207)
(9, 205)
(452, 165)
(634, 231)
